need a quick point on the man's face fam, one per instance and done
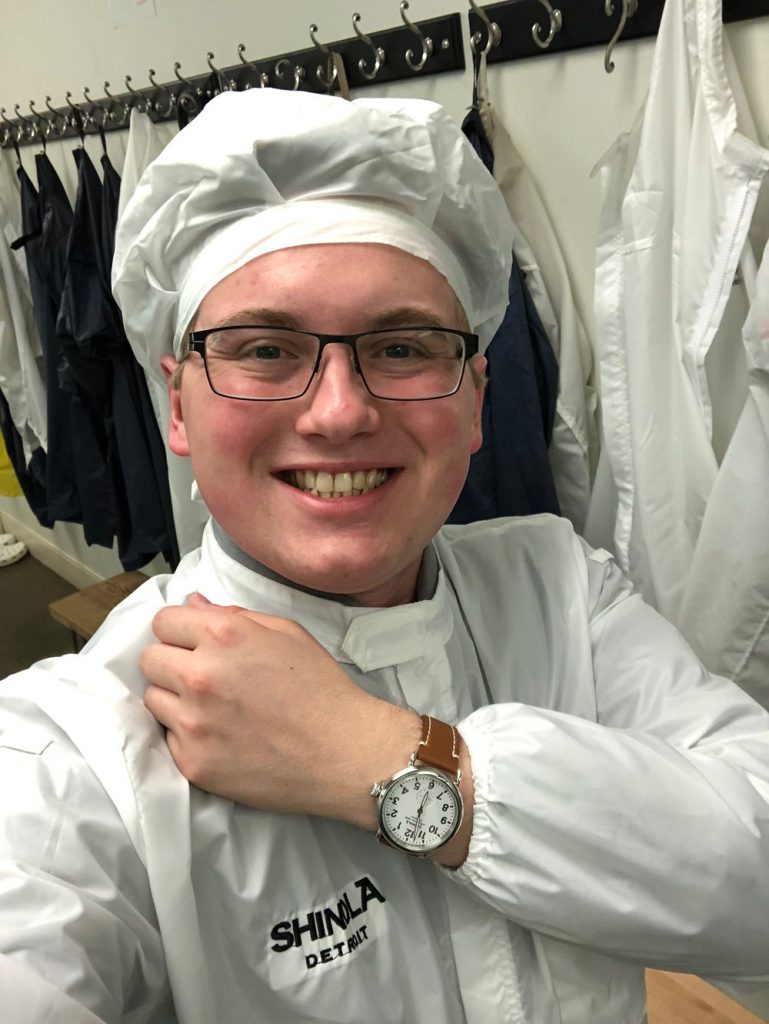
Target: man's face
(245, 454)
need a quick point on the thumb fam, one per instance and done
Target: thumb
(197, 600)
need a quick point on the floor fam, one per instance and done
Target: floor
(27, 630)
(684, 999)
(29, 634)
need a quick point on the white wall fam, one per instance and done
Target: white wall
(562, 111)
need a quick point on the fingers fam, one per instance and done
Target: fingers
(188, 626)
(163, 704)
(197, 600)
(275, 623)
(165, 666)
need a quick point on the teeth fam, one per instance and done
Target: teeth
(324, 482)
(338, 485)
(342, 483)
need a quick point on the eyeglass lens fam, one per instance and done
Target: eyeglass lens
(258, 362)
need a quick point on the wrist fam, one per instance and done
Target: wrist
(382, 747)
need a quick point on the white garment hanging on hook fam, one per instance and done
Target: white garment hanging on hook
(21, 358)
(573, 450)
(725, 611)
(679, 193)
(146, 140)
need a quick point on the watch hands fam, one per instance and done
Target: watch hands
(418, 820)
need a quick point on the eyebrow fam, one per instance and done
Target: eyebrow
(404, 316)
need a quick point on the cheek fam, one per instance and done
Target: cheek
(231, 434)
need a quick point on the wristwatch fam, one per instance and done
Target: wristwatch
(420, 807)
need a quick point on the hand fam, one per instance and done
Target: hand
(257, 711)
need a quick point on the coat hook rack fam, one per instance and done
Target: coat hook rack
(582, 24)
(166, 100)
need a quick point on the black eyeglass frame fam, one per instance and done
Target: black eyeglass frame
(197, 343)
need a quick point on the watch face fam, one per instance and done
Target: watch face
(420, 810)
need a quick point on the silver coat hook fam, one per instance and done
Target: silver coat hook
(224, 85)
(493, 32)
(556, 21)
(29, 129)
(182, 79)
(296, 68)
(326, 82)
(79, 118)
(170, 98)
(93, 105)
(111, 109)
(426, 41)
(44, 124)
(629, 7)
(58, 118)
(13, 132)
(141, 103)
(377, 51)
(187, 99)
(264, 79)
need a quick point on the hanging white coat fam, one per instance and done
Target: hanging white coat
(680, 192)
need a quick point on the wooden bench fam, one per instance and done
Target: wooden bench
(85, 610)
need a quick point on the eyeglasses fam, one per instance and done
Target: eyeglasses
(271, 364)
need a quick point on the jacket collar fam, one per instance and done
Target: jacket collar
(369, 638)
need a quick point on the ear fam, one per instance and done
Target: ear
(479, 364)
(177, 432)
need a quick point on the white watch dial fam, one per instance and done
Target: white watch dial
(421, 810)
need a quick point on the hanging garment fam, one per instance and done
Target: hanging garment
(510, 474)
(46, 218)
(21, 357)
(147, 527)
(9, 482)
(146, 141)
(679, 192)
(725, 610)
(85, 331)
(31, 477)
(154, 890)
(573, 448)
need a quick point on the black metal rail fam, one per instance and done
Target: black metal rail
(583, 24)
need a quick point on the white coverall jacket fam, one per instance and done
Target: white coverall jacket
(621, 816)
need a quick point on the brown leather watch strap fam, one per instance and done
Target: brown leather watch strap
(439, 745)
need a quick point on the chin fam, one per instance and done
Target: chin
(374, 582)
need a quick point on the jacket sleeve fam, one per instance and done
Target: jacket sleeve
(79, 941)
(643, 834)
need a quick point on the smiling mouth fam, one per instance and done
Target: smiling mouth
(336, 485)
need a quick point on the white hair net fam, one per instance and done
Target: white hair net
(268, 169)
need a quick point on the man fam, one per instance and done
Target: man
(589, 799)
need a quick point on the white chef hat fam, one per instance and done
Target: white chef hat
(269, 169)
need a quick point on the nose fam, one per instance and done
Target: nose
(338, 406)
